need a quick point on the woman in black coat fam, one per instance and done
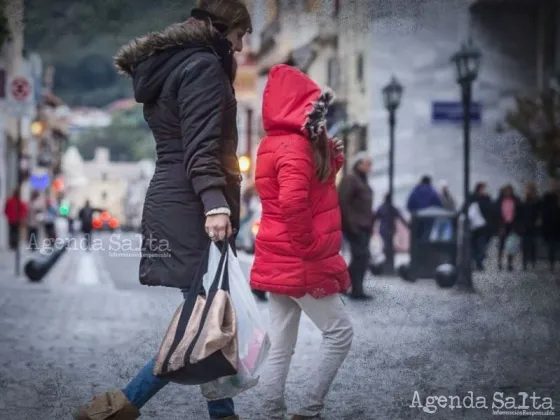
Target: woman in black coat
(528, 221)
(183, 76)
(550, 216)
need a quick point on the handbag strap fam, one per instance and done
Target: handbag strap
(222, 268)
(190, 301)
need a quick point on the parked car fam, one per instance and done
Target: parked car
(105, 221)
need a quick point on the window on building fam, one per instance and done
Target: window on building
(104, 195)
(360, 67)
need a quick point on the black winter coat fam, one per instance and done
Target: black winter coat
(550, 213)
(190, 106)
(530, 213)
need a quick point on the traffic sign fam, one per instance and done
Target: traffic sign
(20, 97)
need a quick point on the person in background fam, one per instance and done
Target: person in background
(482, 228)
(85, 216)
(34, 219)
(446, 198)
(49, 222)
(550, 221)
(384, 214)
(508, 208)
(15, 217)
(423, 196)
(528, 224)
(297, 258)
(356, 205)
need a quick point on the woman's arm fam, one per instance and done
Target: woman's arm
(201, 102)
(295, 170)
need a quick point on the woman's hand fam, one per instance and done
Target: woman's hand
(218, 227)
(338, 145)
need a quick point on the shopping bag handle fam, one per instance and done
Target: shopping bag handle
(190, 301)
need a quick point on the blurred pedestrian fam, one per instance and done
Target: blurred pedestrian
(50, 215)
(183, 76)
(356, 205)
(509, 212)
(297, 255)
(15, 210)
(446, 197)
(86, 221)
(386, 214)
(34, 219)
(550, 218)
(528, 221)
(423, 196)
(482, 221)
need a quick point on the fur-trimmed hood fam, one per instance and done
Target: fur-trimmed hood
(292, 102)
(191, 32)
(150, 60)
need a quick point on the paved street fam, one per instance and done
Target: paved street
(90, 326)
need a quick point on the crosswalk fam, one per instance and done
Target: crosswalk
(79, 269)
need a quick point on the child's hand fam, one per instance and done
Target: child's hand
(338, 145)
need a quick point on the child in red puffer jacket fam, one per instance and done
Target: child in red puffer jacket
(297, 251)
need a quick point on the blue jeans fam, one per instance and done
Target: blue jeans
(145, 385)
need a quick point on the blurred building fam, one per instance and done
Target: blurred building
(302, 34)
(520, 42)
(113, 186)
(355, 47)
(43, 131)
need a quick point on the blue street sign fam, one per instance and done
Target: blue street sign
(452, 111)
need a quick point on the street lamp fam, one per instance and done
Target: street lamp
(467, 65)
(392, 94)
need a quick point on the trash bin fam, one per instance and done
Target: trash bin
(433, 242)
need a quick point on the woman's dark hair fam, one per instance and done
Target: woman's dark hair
(479, 187)
(231, 13)
(321, 156)
(426, 179)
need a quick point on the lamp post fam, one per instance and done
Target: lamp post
(392, 94)
(467, 64)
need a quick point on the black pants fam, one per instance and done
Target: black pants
(479, 242)
(13, 237)
(87, 236)
(50, 232)
(359, 250)
(529, 249)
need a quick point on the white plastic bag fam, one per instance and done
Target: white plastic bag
(252, 338)
(475, 216)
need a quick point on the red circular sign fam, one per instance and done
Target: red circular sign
(20, 89)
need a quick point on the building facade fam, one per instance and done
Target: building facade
(414, 41)
(113, 186)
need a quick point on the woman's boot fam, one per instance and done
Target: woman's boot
(112, 405)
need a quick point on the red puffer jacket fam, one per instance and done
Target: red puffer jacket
(297, 249)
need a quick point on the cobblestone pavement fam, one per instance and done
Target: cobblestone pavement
(64, 339)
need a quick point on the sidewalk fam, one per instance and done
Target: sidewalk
(58, 345)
